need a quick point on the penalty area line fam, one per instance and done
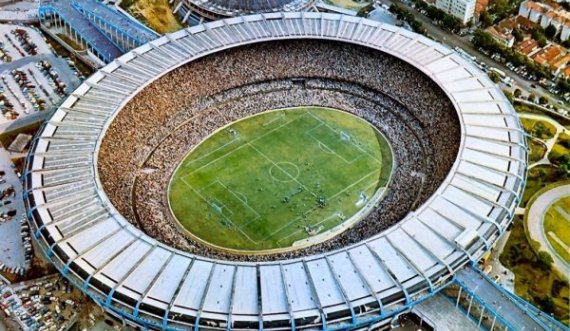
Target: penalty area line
(225, 217)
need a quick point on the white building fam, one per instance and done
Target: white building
(565, 34)
(545, 15)
(462, 9)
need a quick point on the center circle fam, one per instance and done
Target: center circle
(280, 180)
(284, 171)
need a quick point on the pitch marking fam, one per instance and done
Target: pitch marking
(226, 218)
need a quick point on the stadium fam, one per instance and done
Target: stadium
(104, 169)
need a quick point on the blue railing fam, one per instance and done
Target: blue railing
(532, 311)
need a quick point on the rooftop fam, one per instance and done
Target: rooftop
(547, 54)
(466, 215)
(527, 46)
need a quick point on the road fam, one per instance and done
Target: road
(535, 224)
(453, 40)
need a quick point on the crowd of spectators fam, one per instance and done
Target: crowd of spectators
(161, 124)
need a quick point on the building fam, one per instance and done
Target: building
(481, 6)
(502, 36)
(95, 32)
(527, 46)
(546, 15)
(503, 31)
(532, 10)
(559, 65)
(547, 55)
(462, 9)
(565, 34)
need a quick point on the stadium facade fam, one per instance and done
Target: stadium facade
(153, 286)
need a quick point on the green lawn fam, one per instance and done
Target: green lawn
(533, 281)
(556, 221)
(560, 149)
(538, 178)
(270, 180)
(537, 150)
(539, 129)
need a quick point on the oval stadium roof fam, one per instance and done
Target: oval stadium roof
(135, 277)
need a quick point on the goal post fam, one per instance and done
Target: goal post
(344, 136)
(217, 208)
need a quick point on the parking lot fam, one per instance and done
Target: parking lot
(16, 249)
(32, 78)
(45, 304)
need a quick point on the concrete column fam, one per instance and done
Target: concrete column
(481, 316)
(493, 324)
(458, 297)
(470, 302)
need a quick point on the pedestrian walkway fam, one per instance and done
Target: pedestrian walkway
(535, 222)
(516, 313)
(550, 142)
(445, 315)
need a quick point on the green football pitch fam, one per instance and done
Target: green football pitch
(270, 180)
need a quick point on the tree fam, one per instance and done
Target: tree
(539, 37)
(547, 305)
(545, 260)
(500, 9)
(550, 31)
(486, 19)
(434, 13)
(563, 85)
(420, 4)
(494, 76)
(451, 23)
(563, 170)
(518, 34)
(531, 97)
(417, 26)
(543, 100)
(517, 93)
(484, 40)
(541, 131)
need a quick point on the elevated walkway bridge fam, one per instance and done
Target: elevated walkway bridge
(93, 27)
(494, 308)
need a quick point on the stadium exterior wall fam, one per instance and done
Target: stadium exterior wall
(116, 264)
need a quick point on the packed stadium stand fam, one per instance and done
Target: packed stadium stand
(196, 10)
(101, 30)
(136, 162)
(423, 96)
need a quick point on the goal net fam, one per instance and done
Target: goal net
(217, 208)
(344, 136)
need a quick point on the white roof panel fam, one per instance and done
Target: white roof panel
(169, 280)
(68, 192)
